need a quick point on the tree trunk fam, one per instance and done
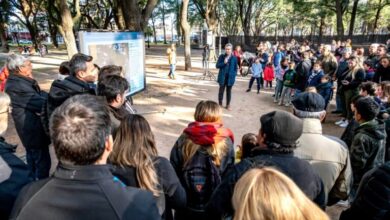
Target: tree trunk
(353, 18)
(186, 29)
(178, 27)
(163, 20)
(321, 31)
(118, 15)
(212, 23)
(377, 15)
(339, 18)
(66, 29)
(154, 30)
(4, 44)
(136, 19)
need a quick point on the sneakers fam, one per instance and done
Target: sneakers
(339, 122)
(275, 101)
(344, 124)
(248, 90)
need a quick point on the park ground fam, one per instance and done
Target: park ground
(169, 105)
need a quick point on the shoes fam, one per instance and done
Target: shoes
(169, 76)
(287, 104)
(339, 122)
(275, 101)
(248, 90)
(228, 107)
(258, 91)
(279, 103)
(344, 124)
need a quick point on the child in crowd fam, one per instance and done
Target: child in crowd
(288, 84)
(316, 75)
(311, 89)
(64, 70)
(325, 89)
(368, 68)
(349, 131)
(269, 74)
(257, 72)
(279, 73)
(248, 142)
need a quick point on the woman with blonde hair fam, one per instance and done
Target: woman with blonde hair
(201, 154)
(137, 164)
(350, 83)
(266, 193)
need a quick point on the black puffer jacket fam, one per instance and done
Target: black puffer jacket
(302, 74)
(298, 170)
(367, 148)
(373, 197)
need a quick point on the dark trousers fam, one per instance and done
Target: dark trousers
(228, 94)
(257, 81)
(268, 84)
(39, 163)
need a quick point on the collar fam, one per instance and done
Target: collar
(265, 151)
(87, 172)
(20, 77)
(312, 126)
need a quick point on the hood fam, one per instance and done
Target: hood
(374, 128)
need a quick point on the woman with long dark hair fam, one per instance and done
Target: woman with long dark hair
(137, 164)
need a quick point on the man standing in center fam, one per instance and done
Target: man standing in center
(227, 65)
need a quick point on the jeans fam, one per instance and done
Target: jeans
(39, 162)
(257, 81)
(228, 94)
(278, 89)
(286, 92)
(339, 106)
(348, 95)
(172, 68)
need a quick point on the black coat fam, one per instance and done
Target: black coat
(61, 90)
(302, 74)
(27, 101)
(83, 192)
(382, 74)
(174, 193)
(19, 177)
(372, 200)
(298, 170)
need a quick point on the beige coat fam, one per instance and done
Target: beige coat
(329, 157)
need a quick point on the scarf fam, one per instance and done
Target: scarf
(203, 133)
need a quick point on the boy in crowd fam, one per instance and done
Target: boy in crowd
(316, 75)
(257, 71)
(368, 144)
(325, 89)
(82, 187)
(288, 84)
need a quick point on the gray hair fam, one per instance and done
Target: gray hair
(14, 62)
(79, 63)
(229, 45)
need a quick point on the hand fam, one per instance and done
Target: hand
(345, 82)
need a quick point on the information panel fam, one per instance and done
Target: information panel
(126, 49)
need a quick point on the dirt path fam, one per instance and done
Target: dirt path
(179, 98)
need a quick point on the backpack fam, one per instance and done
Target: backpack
(201, 178)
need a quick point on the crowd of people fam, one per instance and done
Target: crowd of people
(109, 166)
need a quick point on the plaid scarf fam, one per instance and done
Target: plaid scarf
(203, 133)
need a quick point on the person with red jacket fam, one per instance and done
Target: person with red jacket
(4, 73)
(238, 54)
(269, 74)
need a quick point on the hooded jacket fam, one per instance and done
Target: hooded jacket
(329, 158)
(303, 71)
(367, 148)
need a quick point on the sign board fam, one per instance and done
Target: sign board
(126, 49)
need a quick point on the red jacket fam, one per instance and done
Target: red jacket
(4, 73)
(269, 73)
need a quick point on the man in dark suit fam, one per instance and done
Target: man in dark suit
(227, 65)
